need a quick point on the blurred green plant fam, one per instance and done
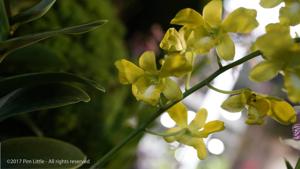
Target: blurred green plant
(36, 153)
(38, 91)
(90, 56)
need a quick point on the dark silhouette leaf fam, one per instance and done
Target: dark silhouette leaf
(22, 41)
(40, 152)
(33, 13)
(40, 97)
(288, 164)
(14, 82)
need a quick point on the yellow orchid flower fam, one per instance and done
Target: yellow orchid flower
(258, 106)
(291, 84)
(187, 41)
(274, 51)
(270, 3)
(192, 134)
(210, 28)
(289, 14)
(148, 83)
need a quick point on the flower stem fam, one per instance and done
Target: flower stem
(189, 75)
(132, 135)
(165, 134)
(224, 91)
(187, 81)
(162, 109)
(220, 71)
(219, 61)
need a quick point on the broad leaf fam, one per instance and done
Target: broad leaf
(33, 13)
(40, 152)
(14, 82)
(23, 41)
(45, 59)
(34, 98)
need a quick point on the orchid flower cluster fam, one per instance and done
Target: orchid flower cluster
(152, 80)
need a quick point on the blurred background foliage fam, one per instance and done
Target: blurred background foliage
(94, 127)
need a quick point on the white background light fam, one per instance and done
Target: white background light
(215, 146)
(231, 116)
(295, 30)
(166, 120)
(191, 116)
(187, 156)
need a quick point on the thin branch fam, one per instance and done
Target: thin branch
(224, 91)
(219, 61)
(189, 75)
(165, 134)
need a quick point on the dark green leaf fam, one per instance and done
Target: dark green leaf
(23, 41)
(40, 152)
(4, 28)
(34, 98)
(288, 165)
(45, 59)
(33, 13)
(14, 82)
(298, 164)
